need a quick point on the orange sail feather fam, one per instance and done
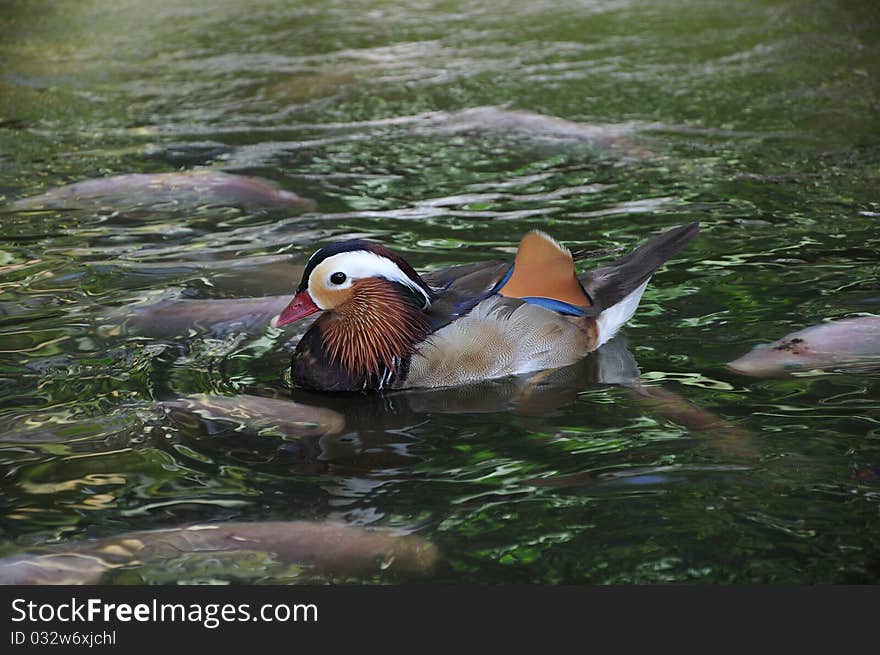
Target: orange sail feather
(544, 269)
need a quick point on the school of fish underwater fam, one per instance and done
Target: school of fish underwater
(334, 292)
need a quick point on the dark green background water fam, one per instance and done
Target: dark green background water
(759, 119)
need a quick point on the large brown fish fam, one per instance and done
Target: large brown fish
(851, 344)
(257, 414)
(179, 318)
(326, 548)
(144, 190)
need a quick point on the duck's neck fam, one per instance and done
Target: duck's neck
(368, 339)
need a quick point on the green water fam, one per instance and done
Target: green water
(759, 119)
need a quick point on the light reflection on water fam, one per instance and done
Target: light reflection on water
(447, 133)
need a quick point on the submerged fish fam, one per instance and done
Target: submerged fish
(726, 438)
(143, 190)
(523, 125)
(851, 344)
(258, 276)
(178, 318)
(259, 414)
(527, 123)
(327, 548)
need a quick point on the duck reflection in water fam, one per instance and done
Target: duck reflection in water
(374, 436)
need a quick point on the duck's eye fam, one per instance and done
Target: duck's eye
(337, 278)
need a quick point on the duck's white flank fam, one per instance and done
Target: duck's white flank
(497, 339)
(613, 318)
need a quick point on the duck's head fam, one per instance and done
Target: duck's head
(351, 277)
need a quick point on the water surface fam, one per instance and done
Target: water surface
(760, 122)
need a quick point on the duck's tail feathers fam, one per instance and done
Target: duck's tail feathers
(616, 288)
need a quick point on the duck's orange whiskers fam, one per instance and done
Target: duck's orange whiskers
(374, 330)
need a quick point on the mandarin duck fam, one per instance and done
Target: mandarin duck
(385, 326)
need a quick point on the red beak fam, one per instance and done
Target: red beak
(301, 306)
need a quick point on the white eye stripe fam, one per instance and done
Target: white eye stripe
(356, 265)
